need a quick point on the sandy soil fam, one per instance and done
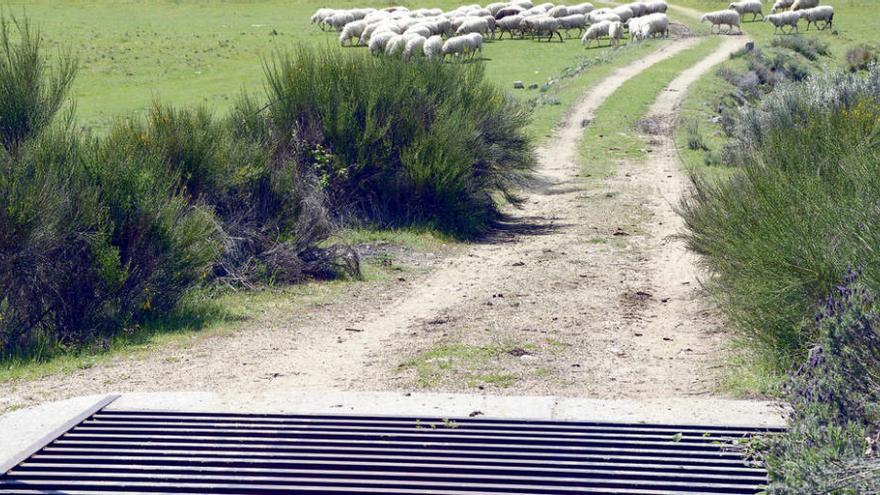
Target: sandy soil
(581, 293)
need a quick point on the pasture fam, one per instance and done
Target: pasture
(208, 52)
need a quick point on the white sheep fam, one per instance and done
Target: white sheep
(558, 11)
(433, 47)
(649, 26)
(510, 25)
(379, 41)
(495, 7)
(338, 21)
(824, 13)
(625, 13)
(351, 31)
(456, 46)
(638, 8)
(744, 7)
(581, 8)
(474, 25)
(597, 16)
(615, 32)
(729, 18)
(414, 46)
(508, 12)
(321, 14)
(420, 29)
(595, 32)
(395, 45)
(656, 7)
(539, 25)
(781, 5)
(576, 21)
(804, 4)
(783, 19)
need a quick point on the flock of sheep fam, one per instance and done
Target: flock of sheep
(433, 33)
(784, 13)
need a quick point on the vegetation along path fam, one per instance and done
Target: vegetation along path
(582, 292)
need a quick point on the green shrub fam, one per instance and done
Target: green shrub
(695, 136)
(419, 142)
(835, 404)
(810, 48)
(31, 91)
(799, 212)
(860, 58)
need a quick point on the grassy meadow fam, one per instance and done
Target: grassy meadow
(207, 52)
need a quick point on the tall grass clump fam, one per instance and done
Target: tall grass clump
(801, 209)
(834, 397)
(419, 142)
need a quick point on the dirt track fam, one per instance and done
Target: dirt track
(582, 293)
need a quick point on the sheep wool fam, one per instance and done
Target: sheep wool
(650, 26)
(804, 4)
(581, 8)
(577, 21)
(540, 25)
(433, 47)
(783, 19)
(781, 5)
(558, 11)
(615, 32)
(378, 42)
(414, 46)
(823, 13)
(509, 25)
(656, 7)
(595, 32)
(352, 30)
(744, 7)
(720, 18)
(625, 13)
(475, 25)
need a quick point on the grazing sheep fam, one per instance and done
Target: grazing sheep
(510, 25)
(474, 25)
(558, 11)
(495, 7)
(577, 21)
(395, 45)
(783, 19)
(466, 45)
(546, 6)
(604, 16)
(656, 7)
(804, 4)
(824, 13)
(526, 4)
(338, 21)
(625, 13)
(595, 32)
(433, 47)
(744, 7)
(414, 46)
(720, 18)
(615, 33)
(539, 25)
(352, 30)
(508, 12)
(638, 8)
(492, 24)
(581, 8)
(651, 25)
(379, 41)
(320, 15)
(421, 30)
(781, 5)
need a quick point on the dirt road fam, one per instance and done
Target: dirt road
(581, 293)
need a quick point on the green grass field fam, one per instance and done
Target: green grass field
(208, 51)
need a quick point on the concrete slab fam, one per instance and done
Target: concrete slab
(666, 411)
(20, 429)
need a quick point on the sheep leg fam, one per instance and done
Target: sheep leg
(560, 37)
